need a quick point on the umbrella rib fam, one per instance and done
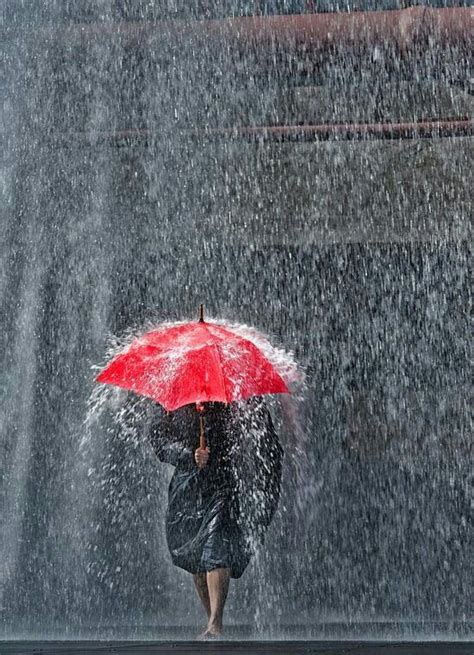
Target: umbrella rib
(221, 369)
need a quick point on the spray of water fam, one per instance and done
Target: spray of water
(123, 415)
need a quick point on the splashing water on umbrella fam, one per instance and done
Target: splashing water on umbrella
(282, 360)
(128, 411)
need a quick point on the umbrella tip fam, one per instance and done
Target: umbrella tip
(201, 313)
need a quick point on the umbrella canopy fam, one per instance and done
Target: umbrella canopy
(192, 363)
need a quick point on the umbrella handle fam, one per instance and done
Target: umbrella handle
(202, 437)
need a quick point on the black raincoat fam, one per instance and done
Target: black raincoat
(216, 515)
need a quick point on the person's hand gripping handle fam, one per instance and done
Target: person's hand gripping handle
(201, 454)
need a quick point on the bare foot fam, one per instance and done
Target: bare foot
(209, 633)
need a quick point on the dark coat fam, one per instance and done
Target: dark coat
(218, 514)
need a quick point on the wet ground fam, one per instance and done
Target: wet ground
(238, 648)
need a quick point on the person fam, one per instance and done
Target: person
(221, 499)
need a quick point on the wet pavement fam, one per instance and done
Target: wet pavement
(238, 648)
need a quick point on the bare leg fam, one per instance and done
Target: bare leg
(218, 585)
(203, 592)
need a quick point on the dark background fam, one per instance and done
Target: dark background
(353, 254)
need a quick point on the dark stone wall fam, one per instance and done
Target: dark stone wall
(355, 255)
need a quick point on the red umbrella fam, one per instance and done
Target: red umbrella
(193, 362)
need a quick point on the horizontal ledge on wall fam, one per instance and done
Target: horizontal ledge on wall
(348, 131)
(403, 28)
(284, 133)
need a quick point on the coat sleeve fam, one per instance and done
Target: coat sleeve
(272, 473)
(165, 445)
